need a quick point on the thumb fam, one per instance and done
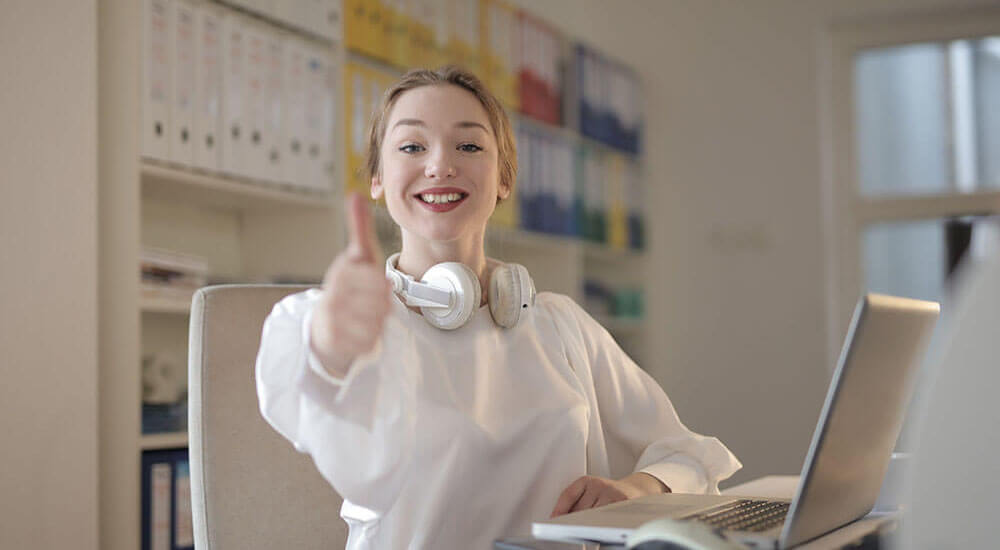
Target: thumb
(363, 245)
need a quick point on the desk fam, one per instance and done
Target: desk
(784, 487)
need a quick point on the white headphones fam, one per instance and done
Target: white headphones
(450, 292)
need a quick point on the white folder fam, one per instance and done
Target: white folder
(274, 57)
(208, 88)
(156, 79)
(319, 118)
(255, 107)
(324, 18)
(293, 112)
(181, 142)
(330, 121)
(234, 61)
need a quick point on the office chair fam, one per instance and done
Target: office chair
(250, 489)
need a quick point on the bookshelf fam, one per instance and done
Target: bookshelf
(173, 440)
(248, 230)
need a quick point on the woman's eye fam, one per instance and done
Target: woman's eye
(469, 147)
(411, 148)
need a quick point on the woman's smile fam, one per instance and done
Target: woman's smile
(441, 199)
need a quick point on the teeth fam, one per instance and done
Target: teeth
(440, 198)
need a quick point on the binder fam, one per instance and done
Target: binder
(375, 37)
(421, 35)
(274, 60)
(156, 79)
(322, 18)
(355, 109)
(183, 528)
(208, 88)
(326, 84)
(160, 506)
(395, 32)
(234, 69)
(355, 17)
(182, 75)
(256, 147)
(636, 223)
(293, 113)
(616, 215)
(318, 118)
(439, 47)
(166, 500)
(526, 161)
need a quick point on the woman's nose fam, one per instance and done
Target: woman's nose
(439, 166)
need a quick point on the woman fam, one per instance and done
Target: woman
(452, 438)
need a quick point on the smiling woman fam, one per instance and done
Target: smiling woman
(453, 438)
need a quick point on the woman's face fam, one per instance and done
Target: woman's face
(439, 171)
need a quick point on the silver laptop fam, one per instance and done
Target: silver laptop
(847, 460)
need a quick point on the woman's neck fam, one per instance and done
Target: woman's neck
(418, 255)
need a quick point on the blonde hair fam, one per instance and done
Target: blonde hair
(456, 76)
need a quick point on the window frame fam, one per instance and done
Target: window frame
(846, 211)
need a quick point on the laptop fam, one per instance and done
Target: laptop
(847, 459)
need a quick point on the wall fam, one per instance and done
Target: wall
(733, 160)
(48, 250)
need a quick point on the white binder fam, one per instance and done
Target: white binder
(323, 18)
(156, 80)
(330, 121)
(274, 58)
(293, 113)
(208, 88)
(315, 78)
(234, 60)
(181, 143)
(255, 108)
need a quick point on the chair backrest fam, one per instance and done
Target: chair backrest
(250, 489)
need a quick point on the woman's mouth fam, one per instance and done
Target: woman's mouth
(441, 202)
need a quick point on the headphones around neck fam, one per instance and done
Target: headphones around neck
(449, 292)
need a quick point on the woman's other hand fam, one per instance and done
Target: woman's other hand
(592, 491)
(355, 300)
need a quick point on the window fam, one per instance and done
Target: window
(912, 131)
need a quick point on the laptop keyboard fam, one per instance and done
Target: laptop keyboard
(745, 515)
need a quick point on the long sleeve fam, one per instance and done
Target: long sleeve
(639, 428)
(357, 430)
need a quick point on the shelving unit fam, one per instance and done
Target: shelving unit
(162, 181)
(165, 305)
(152, 442)
(249, 231)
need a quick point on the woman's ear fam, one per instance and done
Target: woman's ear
(376, 188)
(504, 191)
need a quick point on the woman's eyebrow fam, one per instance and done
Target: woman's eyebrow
(409, 122)
(418, 122)
(470, 124)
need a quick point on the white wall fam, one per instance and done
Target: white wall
(734, 169)
(48, 279)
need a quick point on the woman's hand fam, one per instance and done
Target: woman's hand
(349, 316)
(592, 491)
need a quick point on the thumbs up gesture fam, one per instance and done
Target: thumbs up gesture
(347, 321)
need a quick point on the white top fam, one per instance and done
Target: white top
(451, 439)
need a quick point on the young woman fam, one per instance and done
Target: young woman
(454, 427)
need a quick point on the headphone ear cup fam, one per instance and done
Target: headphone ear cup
(465, 291)
(511, 292)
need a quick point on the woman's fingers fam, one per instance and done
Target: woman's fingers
(569, 497)
(591, 492)
(588, 492)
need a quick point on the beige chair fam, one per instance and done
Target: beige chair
(250, 489)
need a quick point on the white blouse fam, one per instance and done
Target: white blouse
(451, 439)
